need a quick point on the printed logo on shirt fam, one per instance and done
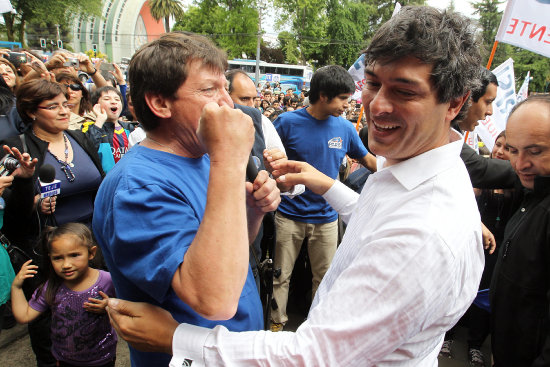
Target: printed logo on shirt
(187, 362)
(335, 143)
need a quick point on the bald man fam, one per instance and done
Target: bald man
(242, 91)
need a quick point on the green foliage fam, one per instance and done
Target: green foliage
(98, 54)
(332, 31)
(309, 24)
(51, 11)
(163, 9)
(232, 24)
(524, 61)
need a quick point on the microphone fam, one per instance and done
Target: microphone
(252, 168)
(49, 186)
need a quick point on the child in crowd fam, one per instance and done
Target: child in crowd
(104, 127)
(77, 295)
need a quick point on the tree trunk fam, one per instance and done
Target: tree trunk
(21, 33)
(8, 21)
(167, 23)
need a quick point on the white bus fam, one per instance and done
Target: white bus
(298, 76)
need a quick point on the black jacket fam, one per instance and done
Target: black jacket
(520, 288)
(21, 223)
(487, 173)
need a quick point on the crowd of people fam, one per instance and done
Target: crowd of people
(169, 177)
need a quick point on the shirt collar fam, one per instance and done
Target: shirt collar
(416, 170)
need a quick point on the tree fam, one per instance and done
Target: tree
(164, 9)
(54, 11)
(232, 24)
(524, 61)
(308, 20)
(345, 30)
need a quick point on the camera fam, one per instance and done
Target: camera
(72, 61)
(8, 164)
(16, 58)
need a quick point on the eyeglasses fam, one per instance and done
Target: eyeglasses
(76, 87)
(55, 107)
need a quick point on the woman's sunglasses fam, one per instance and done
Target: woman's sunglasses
(76, 87)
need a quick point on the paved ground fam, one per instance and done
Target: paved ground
(15, 349)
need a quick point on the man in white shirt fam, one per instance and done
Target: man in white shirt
(406, 269)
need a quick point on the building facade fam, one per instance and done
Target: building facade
(125, 25)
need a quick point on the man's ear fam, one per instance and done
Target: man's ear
(456, 105)
(159, 105)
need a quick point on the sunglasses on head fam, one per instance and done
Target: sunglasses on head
(75, 87)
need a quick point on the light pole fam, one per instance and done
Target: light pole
(257, 75)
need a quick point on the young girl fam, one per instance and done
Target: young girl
(77, 295)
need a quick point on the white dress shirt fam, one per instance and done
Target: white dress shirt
(407, 269)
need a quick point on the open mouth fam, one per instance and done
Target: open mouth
(387, 127)
(114, 109)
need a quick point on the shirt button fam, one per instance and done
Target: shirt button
(522, 210)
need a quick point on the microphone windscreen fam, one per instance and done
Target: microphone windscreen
(46, 173)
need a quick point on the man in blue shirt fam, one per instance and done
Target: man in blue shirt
(319, 136)
(174, 218)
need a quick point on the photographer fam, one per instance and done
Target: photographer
(63, 61)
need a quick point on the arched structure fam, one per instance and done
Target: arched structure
(124, 27)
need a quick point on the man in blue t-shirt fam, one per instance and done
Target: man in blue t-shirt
(175, 217)
(319, 136)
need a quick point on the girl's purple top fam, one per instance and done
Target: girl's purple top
(80, 337)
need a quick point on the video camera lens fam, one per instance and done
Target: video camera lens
(8, 164)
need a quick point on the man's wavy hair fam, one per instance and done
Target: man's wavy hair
(444, 39)
(160, 67)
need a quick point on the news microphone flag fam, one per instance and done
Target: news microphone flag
(48, 189)
(526, 24)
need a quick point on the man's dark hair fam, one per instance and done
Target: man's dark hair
(487, 77)
(330, 81)
(444, 39)
(96, 95)
(160, 67)
(230, 75)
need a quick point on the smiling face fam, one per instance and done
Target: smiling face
(500, 150)
(528, 138)
(8, 75)
(70, 258)
(52, 115)
(404, 116)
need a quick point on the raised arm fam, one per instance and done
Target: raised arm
(211, 278)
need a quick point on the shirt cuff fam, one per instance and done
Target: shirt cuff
(339, 195)
(187, 346)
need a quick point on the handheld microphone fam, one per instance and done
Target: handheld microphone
(49, 186)
(252, 168)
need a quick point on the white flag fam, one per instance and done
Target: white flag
(5, 6)
(357, 72)
(489, 128)
(526, 24)
(523, 91)
(396, 9)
